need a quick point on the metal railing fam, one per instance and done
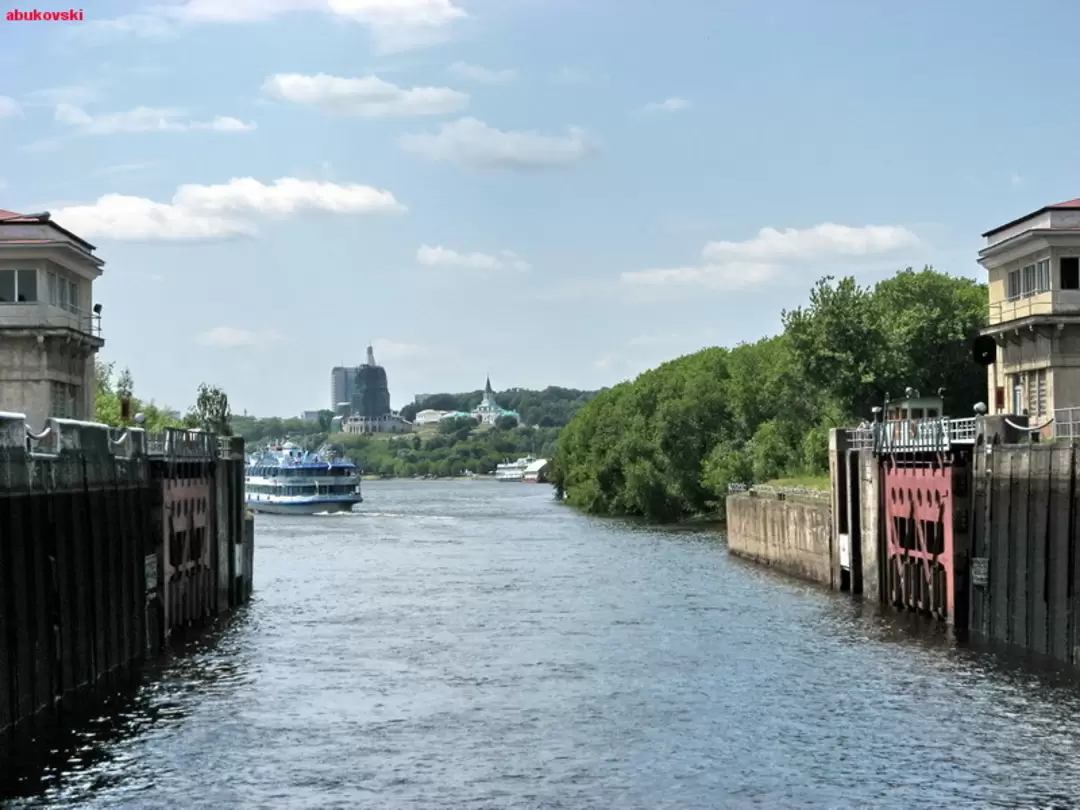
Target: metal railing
(1043, 302)
(41, 314)
(177, 443)
(861, 438)
(779, 492)
(925, 435)
(1023, 306)
(60, 435)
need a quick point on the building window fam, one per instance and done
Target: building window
(1029, 393)
(1069, 267)
(18, 286)
(1018, 393)
(1030, 280)
(66, 402)
(62, 292)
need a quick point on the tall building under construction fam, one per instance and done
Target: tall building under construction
(362, 391)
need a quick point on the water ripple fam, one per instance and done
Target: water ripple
(471, 645)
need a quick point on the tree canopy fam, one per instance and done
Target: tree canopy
(667, 445)
(456, 447)
(211, 411)
(109, 391)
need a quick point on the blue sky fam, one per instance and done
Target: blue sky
(555, 192)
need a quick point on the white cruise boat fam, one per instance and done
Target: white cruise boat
(513, 470)
(286, 480)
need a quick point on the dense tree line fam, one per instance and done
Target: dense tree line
(551, 408)
(273, 428)
(459, 446)
(667, 445)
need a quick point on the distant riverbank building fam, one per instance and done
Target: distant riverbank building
(366, 404)
(489, 411)
(1034, 318)
(50, 329)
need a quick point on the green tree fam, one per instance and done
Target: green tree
(212, 411)
(668, 444)
(107, 397)
(506, 422)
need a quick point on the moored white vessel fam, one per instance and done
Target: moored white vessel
(286, 480)
(513, 470)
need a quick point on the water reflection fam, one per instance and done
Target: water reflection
(476, 645)
(93, 751)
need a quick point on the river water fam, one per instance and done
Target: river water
(476, 645)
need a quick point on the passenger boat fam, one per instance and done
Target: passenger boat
(513, 470)
(285, 480)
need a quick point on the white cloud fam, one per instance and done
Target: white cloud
(370, 97)
(10, 108)
(220, 211)
(827, 239)
(394, 24)
(668, 105)
(482, 75)
(733, 265)
(444, 257)
(231, 337)
(738, 275)
(390, 348)
(144, 119)
(473, 143)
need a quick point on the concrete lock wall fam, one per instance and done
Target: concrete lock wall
(105, 550)
(1024, 568)
(790, 535)
(71, 582)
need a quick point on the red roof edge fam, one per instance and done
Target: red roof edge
(1061, 206)
(15, 218)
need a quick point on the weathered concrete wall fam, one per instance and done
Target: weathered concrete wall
(870, 528)
(104, 550)
(793, 536)
(72, 526)
(1024, 548)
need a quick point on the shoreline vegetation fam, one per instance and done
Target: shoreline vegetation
(665, 446)
(444, 450)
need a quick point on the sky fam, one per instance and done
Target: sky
(552, 192)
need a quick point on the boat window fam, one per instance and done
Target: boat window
(931, 413)
(916, 413)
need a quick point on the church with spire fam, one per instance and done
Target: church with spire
(488, 411)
